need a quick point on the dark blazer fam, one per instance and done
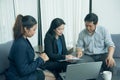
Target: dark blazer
(22, 63)
(51, 49)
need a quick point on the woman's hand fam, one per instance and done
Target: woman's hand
(44, 56)
(69, 56)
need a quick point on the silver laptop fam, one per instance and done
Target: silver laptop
(82, 71)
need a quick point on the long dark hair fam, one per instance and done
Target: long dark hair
(21, 22)
(55, 24)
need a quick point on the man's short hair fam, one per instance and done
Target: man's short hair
(91, 17)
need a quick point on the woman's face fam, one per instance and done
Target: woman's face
(30, 32)
(59, 30)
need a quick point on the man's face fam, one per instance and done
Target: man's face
(90, 26)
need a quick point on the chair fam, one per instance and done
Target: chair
(4, 62)
(116, 40)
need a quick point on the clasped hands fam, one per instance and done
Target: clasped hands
(44, 56)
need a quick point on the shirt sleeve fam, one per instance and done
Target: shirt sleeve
(108, 39)
(80, 41)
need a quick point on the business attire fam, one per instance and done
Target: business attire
(22, 63)
(95, 45)
(56, 50)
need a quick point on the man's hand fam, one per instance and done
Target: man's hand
(110, 61)
(79, 53)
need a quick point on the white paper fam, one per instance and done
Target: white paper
(72, 59)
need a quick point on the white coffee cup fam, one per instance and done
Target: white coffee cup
(107, 75)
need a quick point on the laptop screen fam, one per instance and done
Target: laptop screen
(83, 71)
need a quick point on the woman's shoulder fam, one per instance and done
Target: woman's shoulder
(20, 41)
(48, 35)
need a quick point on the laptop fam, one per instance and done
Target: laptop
(82, 71)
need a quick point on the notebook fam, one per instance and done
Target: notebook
(82, 71)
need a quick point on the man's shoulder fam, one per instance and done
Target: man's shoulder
(101, 27)
(84, 31)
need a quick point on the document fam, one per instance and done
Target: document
(72, 59)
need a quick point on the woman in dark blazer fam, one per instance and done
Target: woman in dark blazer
(55, 48)
(21, 57)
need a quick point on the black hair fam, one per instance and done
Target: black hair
(55, 24)
(91, 17)
(21, 22)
